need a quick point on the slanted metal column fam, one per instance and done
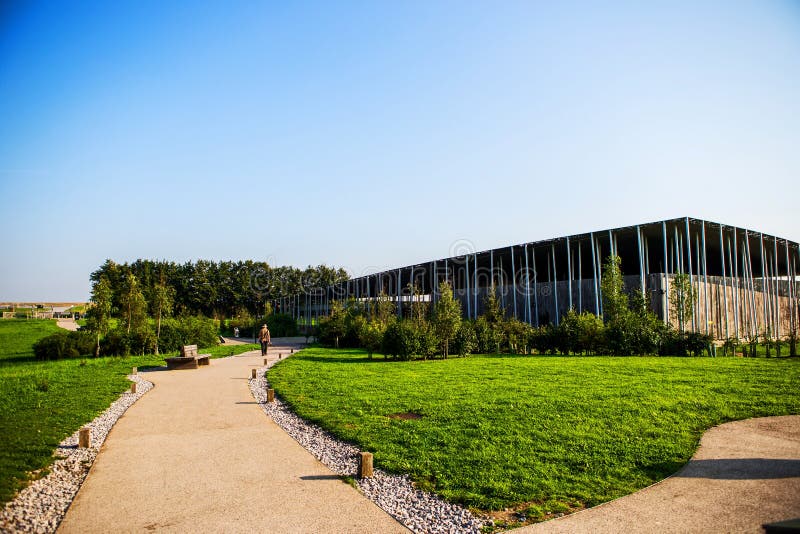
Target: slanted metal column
(555, 282)
(776, 289)
(666, 273)
(435, 280)
(514, 280)
(399, 302)
(569, 275)
(764, 291)
(641, 260)
(705, 274)
(491, 270)
(466, 288)
(790, 289)
(735, 272)
(528, 287)
(754, 324)
(724, 278)
(475, 284)
(594, 275)
(691, 278)
(535, 285)
(580, 279)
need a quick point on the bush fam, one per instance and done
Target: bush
(64, 345)
(179, 331)
(427, 340)
(465, 340)
(371, 336)
(332, 327)
(489, 337)
(516, 336)
(400, 340)
(119, 342)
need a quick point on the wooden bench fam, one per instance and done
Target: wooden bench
(189, 359)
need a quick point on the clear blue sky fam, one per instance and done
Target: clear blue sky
(376, 134)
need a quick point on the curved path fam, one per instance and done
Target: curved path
(67, 324)
(197, 454)
(744, 474)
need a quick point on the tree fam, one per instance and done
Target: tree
(332, 327)
(371, 336)
(682, 299)
(384, 310)
(132, 304)
(162, 298)
(99, 315)
(615, 301)
(446, 317)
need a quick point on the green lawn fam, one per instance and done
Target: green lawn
(41, 403)
(17, 337)
(540, 434)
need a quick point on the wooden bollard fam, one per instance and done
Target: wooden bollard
(254, 373)
(280, 356)
(365, 465)
(135, 371)
(133, 387)
(85, 437)
(265, 361)
(270, 395)
(292, 352)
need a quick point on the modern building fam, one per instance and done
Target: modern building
(745, 282)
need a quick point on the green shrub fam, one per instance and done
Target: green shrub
(281, 325)
(119, 342)
(371, 336)
(400, 340)
(465, 340)
(427, 340)
(179, 331)
(64, 345)
(488, 336)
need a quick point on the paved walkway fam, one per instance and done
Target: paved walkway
(67, 324)
(744, 474)
(197, 454)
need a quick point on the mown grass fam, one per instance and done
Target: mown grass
(541, 435)
(17, 337)
(41, 403)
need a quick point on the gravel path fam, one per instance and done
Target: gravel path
(42, 505)
(419, 511)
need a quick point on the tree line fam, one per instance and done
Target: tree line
(157, 306)
(217, 290)
(627, 326)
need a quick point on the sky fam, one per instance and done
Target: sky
(371, 135)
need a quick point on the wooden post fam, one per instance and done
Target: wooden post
(133, 387)
(253, 373)
(280, 356)
(265, 361)
(292, 351)
(365, 465)
(135, 371)
(85, 437)
(270, 395)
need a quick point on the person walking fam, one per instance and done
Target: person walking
(263, 338)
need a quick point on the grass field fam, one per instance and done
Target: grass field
(540, 435)
(41, 403)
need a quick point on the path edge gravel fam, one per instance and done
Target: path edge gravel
(41, 506)
(417, 510)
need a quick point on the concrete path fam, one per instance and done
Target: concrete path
(744, 474)
(67, 324)
(197, 454)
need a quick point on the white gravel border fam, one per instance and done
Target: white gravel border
(42, 505)
(420, 511)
